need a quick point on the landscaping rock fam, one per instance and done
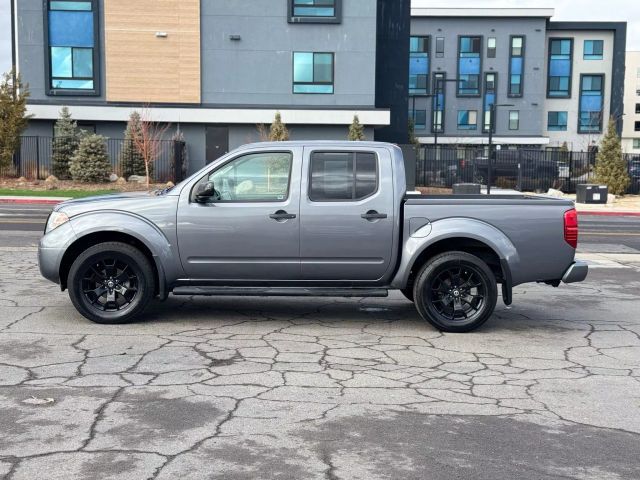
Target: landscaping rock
(170, 184)
(555, 193)
(51, 179)
(113, 177)
(22, 180)
(121, 181)
(137, 178)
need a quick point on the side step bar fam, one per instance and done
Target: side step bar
(281, 291)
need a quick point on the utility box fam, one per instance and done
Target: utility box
(586, 193)
(466, 189)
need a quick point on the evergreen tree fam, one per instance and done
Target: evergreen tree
(13, 117)
(611, 169)
(65, 143)
(278, 131)
(413, 140)
(356, 130)
(131, 160)
(91, 162)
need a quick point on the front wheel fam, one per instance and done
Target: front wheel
(111, 283)
(455, 292)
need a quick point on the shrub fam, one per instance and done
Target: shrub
(131, 160)
(611, 169)
(65, 143)
(356, 130)
(278, 131)
(91, 162)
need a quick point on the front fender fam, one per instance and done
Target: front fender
(162, 249)
(450, 228)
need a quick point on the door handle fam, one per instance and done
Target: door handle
(281, 215)
(373, 215)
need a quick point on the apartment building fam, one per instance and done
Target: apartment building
(631, 130)
(552, 82)
(216, 70)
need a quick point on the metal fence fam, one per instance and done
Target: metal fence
(33, 160)
(519, 169)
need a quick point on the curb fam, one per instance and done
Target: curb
(32, 200)
(608, 214)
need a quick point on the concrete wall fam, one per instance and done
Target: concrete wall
(530, 105)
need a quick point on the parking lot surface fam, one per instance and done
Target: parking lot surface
(241, 388)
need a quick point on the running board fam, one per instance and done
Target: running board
(280, 291)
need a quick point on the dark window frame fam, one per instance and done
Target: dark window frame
(479, 75)
(510, 93)
(434, 112)
(428, 74)
(467, 126)
(57, 92)
(571, 55)
(491, 51)
(592, 56)
(637, 107)
(333, 74)
(557, 127)
(355, 177)
(485, 127)
(336, 18)
(636, 127)
(602, 93)
(413, 114)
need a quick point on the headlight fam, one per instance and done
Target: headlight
(55, 220)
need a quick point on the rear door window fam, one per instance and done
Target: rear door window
(342, 176)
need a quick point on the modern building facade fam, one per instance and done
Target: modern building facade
(552, 82)
(215, 70)
(631, 131)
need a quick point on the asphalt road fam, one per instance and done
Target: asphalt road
(317, 388)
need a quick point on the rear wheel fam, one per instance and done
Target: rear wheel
(455, 292)
(111, 283)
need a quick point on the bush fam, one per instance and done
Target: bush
(65, 143)
(91, 162)
(131, 160)
(356, 130)
(611, 169)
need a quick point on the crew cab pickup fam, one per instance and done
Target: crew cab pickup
(308, 219)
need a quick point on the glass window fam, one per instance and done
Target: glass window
(557, 121)
(516, 66)
(593, 49)
(439, 47)
(342, 176)
(636, 143)
(490, 93)
(419, 66)
(438, 102)
(257, 177)
(71, 39)
(637, 107)
(316, 11)
(514, 120)
(560, 67)
(469, 66)
(419, 119)
(491, 47)
(312, 72)
(467, 120)
(591, 104)
(636, 127)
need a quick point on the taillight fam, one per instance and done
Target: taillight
(571, 227)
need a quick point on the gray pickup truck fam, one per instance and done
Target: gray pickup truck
(308, 219)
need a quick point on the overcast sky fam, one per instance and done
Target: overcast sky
(601, 10)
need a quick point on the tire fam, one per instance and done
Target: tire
(455, 292)
(111, 283)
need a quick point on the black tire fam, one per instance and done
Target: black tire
(455, 292)
(111, 283)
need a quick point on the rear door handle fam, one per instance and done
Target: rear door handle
(281, 215)
(373, 215)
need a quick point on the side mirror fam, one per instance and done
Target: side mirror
(205, 191)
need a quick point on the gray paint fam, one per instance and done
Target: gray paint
(530, 105)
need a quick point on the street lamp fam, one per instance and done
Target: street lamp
(492, 114)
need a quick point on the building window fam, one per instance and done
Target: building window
(467, 120)
(439, 97)
(557, 121)
(637, 107)
(591, 103)
(516, 66)
(419, 119)
(637, 127)
(71, 50)
(312, 72)
(514, 120)
(419, 66)
(491, 47)
(342, 176)
(636, 143)
(469, 66)
(490, 93)
(593, 49)
(560, 67)
(315, 11)
(439, 47)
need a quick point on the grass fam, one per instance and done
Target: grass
(54, 193)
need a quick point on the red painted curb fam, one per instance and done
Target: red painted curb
(30, 201)
(610, 214)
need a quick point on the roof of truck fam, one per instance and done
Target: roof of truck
(311, 143)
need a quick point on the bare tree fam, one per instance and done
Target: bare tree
(148, 140)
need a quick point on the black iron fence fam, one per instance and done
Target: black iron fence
(519, 169)
(33, 160)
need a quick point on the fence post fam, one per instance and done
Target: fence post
(37, 158)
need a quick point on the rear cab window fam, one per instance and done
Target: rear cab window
(342, 176)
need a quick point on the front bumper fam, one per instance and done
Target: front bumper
(577, 272)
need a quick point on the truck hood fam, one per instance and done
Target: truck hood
(134, 202)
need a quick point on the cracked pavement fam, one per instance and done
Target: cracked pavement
(248, 388)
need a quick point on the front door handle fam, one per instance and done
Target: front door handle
(373, 215)
(281, 216)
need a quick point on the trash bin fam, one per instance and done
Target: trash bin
(466, 189)
(586, 193)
